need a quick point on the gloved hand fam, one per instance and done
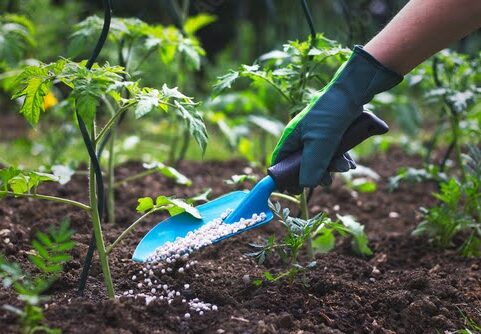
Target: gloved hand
(318, 129)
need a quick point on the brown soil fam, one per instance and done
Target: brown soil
(418, 289)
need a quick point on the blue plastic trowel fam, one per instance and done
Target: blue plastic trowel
(282, 176)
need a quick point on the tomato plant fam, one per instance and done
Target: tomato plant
(88, 89)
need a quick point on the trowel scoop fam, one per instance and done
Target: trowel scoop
(243, 204)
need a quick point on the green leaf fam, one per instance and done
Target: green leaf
(203, 197)
(197, 22)
(33, 84)
(145, 204)
(6, 174)
(225, 82)
(191, 52)
(19, 184)
(194, 122)
(238, 179)
(257, 282)
(170, 172)
(364, 185)
(86, 106)
(325, 242)
(147, 101)
(272, 126)
(268, 276)
(179, 206)
(173, 93)
(360, 240)
(17, 37)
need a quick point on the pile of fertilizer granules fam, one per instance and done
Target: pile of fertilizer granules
(149, 279)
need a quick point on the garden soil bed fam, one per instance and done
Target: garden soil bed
(416, 289)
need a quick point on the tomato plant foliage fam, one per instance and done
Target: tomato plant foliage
(88, 87)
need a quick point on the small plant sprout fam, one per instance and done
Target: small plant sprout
(50, 251)
(320, 229)
(459, 210)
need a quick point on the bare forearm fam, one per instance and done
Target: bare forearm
(422, 28)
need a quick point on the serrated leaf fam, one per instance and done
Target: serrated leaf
(33, 84)
(191, 52)
(195, 123)
(44, 238)
(173, 92)
(225, 82)
(38, 261)
(148, 100)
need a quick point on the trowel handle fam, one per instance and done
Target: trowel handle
(286, 172)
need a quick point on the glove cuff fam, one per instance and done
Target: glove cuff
(362, 77)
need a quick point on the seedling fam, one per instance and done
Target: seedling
(459, 211)
(50, 252)
(320, 229)
(89, 88)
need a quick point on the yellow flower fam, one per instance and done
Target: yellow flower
(49, 101)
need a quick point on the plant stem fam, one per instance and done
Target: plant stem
(128, 230)
(274, 86)
(305, 215)
(457, 146)
(96, 222)
(135, 177)
(48, 198)
(111, 167)
(173, 145)
(111, 188)
(303, 205)
(110, 123)
(287, 197)
(184, 147)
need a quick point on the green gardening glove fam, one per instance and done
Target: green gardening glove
(318, 129)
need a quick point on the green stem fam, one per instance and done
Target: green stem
(47, 198)
(303, 205)
(111, 180)
(305, 215)
(274, 86)
(128, 230)
(111, 167)
(287, 197)
(457, 146)
(184, 147)
(135, 177)
(173, 145)
(96, 222)
(111, 122)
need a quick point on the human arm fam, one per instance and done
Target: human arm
(419, 30)
(422, 28)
